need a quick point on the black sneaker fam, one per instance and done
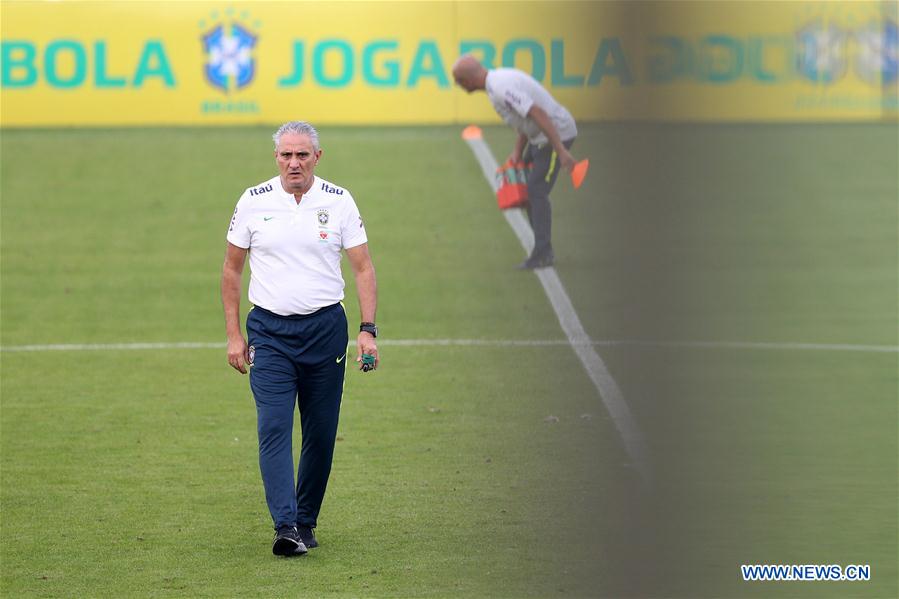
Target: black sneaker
(287, 542)
(533, 262)
(307, 536)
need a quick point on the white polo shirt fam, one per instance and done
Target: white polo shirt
(295, 248)
(513, 92)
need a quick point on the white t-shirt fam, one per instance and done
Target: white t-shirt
(295, 248)
(512, 93)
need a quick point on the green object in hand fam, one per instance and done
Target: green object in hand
(368, 362)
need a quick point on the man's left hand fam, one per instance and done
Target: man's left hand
(566, 160)
(365, 344)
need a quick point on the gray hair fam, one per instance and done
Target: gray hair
(300, 128)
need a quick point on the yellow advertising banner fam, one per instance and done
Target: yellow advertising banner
(195, 63)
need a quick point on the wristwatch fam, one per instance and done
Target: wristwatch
(369, 327)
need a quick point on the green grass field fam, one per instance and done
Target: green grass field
(134, 472)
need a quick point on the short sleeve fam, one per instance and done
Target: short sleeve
(352, 228)
(238, 232)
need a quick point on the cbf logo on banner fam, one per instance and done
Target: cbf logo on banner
(823, 52)
(230, 64)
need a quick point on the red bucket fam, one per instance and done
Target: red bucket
(512, 191)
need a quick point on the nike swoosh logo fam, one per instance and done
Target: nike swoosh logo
(340, 359)
(267, 217)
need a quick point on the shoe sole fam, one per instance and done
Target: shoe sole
(287, 547)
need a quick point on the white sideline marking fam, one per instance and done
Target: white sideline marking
(789, 346)
(111, 346)
(223, 345)
(609, 392)
(482, 343)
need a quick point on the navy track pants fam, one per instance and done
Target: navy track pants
(297, 360)
(541, 179)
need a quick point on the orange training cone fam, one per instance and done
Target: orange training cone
(579, 172)
(471, 132)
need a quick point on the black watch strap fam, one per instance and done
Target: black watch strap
(369, 327)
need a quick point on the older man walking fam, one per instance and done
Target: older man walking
(293, 228)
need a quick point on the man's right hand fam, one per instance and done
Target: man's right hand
(238, 353)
